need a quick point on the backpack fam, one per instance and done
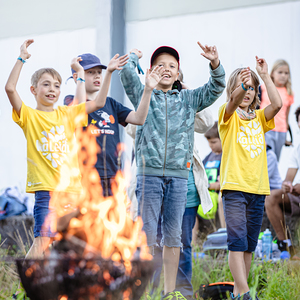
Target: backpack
(214, 291)
(10, 205)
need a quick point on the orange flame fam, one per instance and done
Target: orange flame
(104, 222)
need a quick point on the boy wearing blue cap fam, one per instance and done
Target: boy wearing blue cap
(164, 148)
(113, 113)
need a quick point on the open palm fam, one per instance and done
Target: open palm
(154, 77)
(117, 62)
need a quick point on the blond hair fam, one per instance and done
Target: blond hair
(231, 86)
(279, 63)
(39, 73)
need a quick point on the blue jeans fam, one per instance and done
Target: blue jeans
(40, 211)
(184, 274)
(165, 196)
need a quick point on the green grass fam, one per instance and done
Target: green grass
(280, 281)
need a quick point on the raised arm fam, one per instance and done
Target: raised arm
(276, 103)
(238, 94)
(116, 63)
(130, 79)
(80, 94)
(138, 117)
(11, 84)
(207, 94)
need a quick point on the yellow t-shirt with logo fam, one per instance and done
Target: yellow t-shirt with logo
(244, 160)
(52, 161)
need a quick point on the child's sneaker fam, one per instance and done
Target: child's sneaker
(176, 295)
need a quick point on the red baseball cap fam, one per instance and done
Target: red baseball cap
(164, 49)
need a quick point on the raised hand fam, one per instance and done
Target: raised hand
(261, 66)
(117, 62)
(23, 49)
(137, 52)
(154, 77)
(75, 65)
(210, 53)
(245, 76)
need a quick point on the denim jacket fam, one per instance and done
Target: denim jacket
(164, 144)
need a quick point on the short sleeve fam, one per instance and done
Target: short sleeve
(291, 99)
(22, 120)
(267, 126)
(221, 114)
(294, 161)
(78, 115)
(122, 112)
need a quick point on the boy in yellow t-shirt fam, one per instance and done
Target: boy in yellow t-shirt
(52, 158)
(244, 171)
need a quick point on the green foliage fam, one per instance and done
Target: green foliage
(271, 281)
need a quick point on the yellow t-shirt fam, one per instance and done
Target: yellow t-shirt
(244, 159)
(52, 161)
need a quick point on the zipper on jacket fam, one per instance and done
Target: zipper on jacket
(166, 134)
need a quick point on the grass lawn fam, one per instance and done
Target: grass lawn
(280, 281)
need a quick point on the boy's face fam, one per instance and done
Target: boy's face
(93, 79)
(170, 74)
(215, 145)
(47, 90)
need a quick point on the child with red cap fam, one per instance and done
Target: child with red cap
(164, 148)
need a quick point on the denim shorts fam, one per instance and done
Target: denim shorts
(40, 211)
(243, 215)
(165, 195)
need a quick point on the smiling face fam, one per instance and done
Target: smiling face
(281, 75)
(250, 94)
(46, 92)
(170, 73)
(93, 79)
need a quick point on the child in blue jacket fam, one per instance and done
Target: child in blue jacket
(164, 148)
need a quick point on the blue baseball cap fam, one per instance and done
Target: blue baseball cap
(90, 61)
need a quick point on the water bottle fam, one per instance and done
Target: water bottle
(267, 245)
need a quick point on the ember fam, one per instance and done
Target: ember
(100, 252)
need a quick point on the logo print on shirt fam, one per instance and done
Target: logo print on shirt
(251, 138)
(106, 120)
(53, 145)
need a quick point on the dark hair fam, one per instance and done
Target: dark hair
(297, 113)
(213, 132)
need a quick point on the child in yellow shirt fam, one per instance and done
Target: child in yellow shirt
(52, 162)
(244, 171)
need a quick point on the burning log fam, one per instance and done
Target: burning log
(82, 279)
(100, 252)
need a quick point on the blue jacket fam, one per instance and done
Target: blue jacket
(164, 144)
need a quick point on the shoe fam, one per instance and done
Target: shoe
(176, 295)
(282, 246)
(232, 296)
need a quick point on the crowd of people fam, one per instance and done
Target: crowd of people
(173, 188)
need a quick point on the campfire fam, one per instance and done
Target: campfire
(99, 252)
